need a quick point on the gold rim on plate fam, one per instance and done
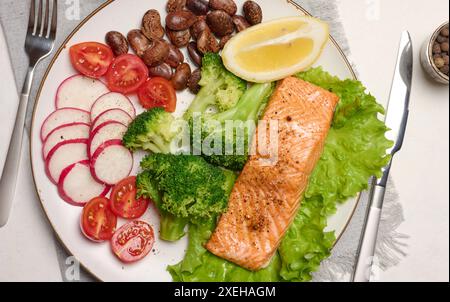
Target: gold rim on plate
(50, 66)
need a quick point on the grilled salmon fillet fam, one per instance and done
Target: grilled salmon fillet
(265, 198)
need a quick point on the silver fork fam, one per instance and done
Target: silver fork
(39, 43)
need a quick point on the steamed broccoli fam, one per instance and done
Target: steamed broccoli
(220, 88)
(152, 131)
(186, 186)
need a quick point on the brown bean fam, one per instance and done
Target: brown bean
(175, 5)
(163, 70)
(224, 41)
(179, 38)
(220, 23)
(194, 79)
(180, 20)
(138, 42)
(198, 27)
(253, 12)
(195, 54)
(117, 42)
(157, 53)
(151, 25)
(241, 23)
(198, 7)
(181, 77)
(207, 42)
(175, 57)
(227, 6)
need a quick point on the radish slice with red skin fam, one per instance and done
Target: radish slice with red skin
(111, 163)
(105, 132)
(117, 115)
(79, 92)
(63, 155)
(63, 117)
(64, 133)
(76, 186)
(112, 100)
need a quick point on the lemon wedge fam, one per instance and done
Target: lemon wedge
(274, 50)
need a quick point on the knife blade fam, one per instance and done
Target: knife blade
(396, 120)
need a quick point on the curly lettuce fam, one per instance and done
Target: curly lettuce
(355, 150)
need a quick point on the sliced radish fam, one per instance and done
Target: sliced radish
(79, 92)
(76, 185)
(64, 133)
(117, 115)
(63, 117)
(63, 155)
(111, 163)
(112, 100)
(105, 132)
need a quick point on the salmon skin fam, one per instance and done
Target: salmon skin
(265, 199)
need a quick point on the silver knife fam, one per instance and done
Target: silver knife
(396, 120)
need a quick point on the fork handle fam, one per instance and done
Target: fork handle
(8, 179)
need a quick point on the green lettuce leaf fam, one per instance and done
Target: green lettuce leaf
(355, 150)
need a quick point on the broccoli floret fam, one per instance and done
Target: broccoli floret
(171, 227)
(244, 117)
(186, 185)
(152, 131)
(220, 88)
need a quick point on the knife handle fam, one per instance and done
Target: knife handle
(366, 249)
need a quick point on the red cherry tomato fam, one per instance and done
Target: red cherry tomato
(126, 74)
(133, 241)
(158, 92)
(91, 58)
(98, 222)
(123, 200)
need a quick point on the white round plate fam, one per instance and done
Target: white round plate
(97, 258)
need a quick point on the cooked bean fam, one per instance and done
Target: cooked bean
(138, 42)
(175, 57)
(253, 12)
(180, 20)
(220, 23)
(207, 42)
(198, 7)
(227, 6)
(195, 54)
(163, 70)
(156, 54)
(224, 41)
(240, 22)
(181, 77)
(198, 27)
(151, 25)
(175, 5)
(194, 79)
(179, 38)
(117, 42)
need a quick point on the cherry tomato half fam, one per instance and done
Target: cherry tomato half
(98, 222)
(133, 241)
(91, 58)
(126, 74)
(158, 92)
(123, 200)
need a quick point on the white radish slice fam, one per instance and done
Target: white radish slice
(76, 185)
(112, 100)
(79, 92)
(63, 155)
(111, 163)
(64, 133)
(117, 115)
(63, 117)
(105, 132)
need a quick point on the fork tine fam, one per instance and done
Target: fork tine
(46, 17)
(39, 21)
(52, 34)
(31, 23)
